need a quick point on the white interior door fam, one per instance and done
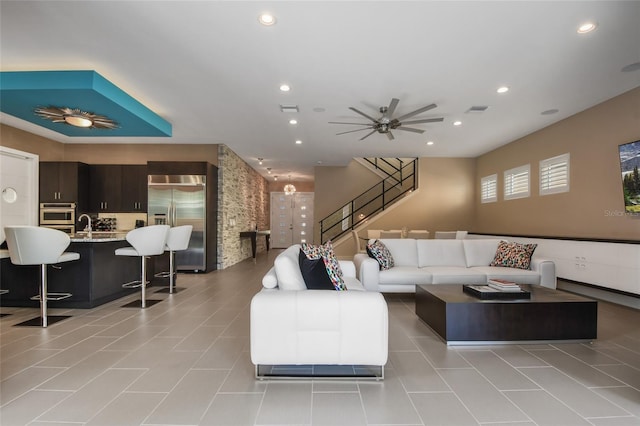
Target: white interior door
(302, 217)
(291, 219)
(281, 220)
(18, 188)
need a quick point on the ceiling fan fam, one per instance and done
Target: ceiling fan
(386, 123)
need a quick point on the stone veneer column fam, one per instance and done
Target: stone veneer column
(243, 200)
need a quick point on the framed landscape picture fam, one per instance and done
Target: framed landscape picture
(629, 164)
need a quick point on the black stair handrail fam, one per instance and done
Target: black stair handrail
(375, 199)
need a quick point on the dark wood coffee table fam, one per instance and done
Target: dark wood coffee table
(549, 315)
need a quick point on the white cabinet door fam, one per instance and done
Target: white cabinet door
(291, 219)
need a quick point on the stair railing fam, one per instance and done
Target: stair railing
(372, 201)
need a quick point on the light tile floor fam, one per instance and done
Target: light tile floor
(185, 361)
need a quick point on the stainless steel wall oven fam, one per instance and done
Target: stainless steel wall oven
(59, 216)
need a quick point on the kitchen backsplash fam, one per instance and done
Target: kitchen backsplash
(124, 221)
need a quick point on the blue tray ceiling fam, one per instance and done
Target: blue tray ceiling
(21, 92)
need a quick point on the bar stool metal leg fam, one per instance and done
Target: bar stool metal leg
(43, 294)
(172, 272)
(144, 282)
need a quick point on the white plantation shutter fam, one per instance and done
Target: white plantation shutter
(554, 175)
(516, 182)
(489, 189)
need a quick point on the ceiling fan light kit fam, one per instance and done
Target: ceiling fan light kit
(75, 117)
(386, 123)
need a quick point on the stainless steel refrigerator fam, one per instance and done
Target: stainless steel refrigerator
(181, 200)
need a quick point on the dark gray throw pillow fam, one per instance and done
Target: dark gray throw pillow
(314, 273)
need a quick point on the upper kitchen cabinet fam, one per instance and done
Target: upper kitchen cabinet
(118, 188)
(64, 182)
(105, 194)
(134, 188)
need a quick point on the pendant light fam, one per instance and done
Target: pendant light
(289, 189)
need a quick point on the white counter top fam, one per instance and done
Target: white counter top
(97, 237)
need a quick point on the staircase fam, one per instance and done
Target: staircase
(400, 179)
(387, 167)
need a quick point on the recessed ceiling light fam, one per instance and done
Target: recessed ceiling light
(502, 89)
(298, 142)
(318, 162)
(457, 123)
(587, 27)
(285, 88)
(430, 143)
(267, 19)
(293, 121)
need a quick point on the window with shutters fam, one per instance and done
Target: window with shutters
(554, 175)
(516, 182)
(489, 189)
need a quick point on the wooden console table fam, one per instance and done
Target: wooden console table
(253, 235)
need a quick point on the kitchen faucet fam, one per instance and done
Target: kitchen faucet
(88, 222)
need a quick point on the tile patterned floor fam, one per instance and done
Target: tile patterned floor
(185, 361)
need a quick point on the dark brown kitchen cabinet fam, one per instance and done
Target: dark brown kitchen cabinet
(118, 188)
(105, 192)
(64, 182)
(134, 188)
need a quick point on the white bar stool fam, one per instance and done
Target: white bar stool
(177, 240)
(145, 241)
(33, 245)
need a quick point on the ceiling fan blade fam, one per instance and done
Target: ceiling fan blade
(363, 114)
(391, 108)
(409, 129)
(351, 131)
(416, 112)
(390, 136)
(426, 120)
(342, 122)
(369, 134)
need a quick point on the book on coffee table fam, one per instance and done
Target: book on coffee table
(503, 285)
(486, 292)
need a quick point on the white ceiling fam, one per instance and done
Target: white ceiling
(214, 72)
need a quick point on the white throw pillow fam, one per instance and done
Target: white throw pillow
(270, 280)
(288, 269)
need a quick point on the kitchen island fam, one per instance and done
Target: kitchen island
(94, 279)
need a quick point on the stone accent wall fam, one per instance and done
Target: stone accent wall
(243, 202)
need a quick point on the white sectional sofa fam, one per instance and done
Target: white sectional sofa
(445, 262)
(291, 325)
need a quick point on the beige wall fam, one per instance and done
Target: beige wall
(445, 199)
(336, 186)
(107, 153)
(594, 206)
(140, 153)
(46, 149)
(448, 196)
